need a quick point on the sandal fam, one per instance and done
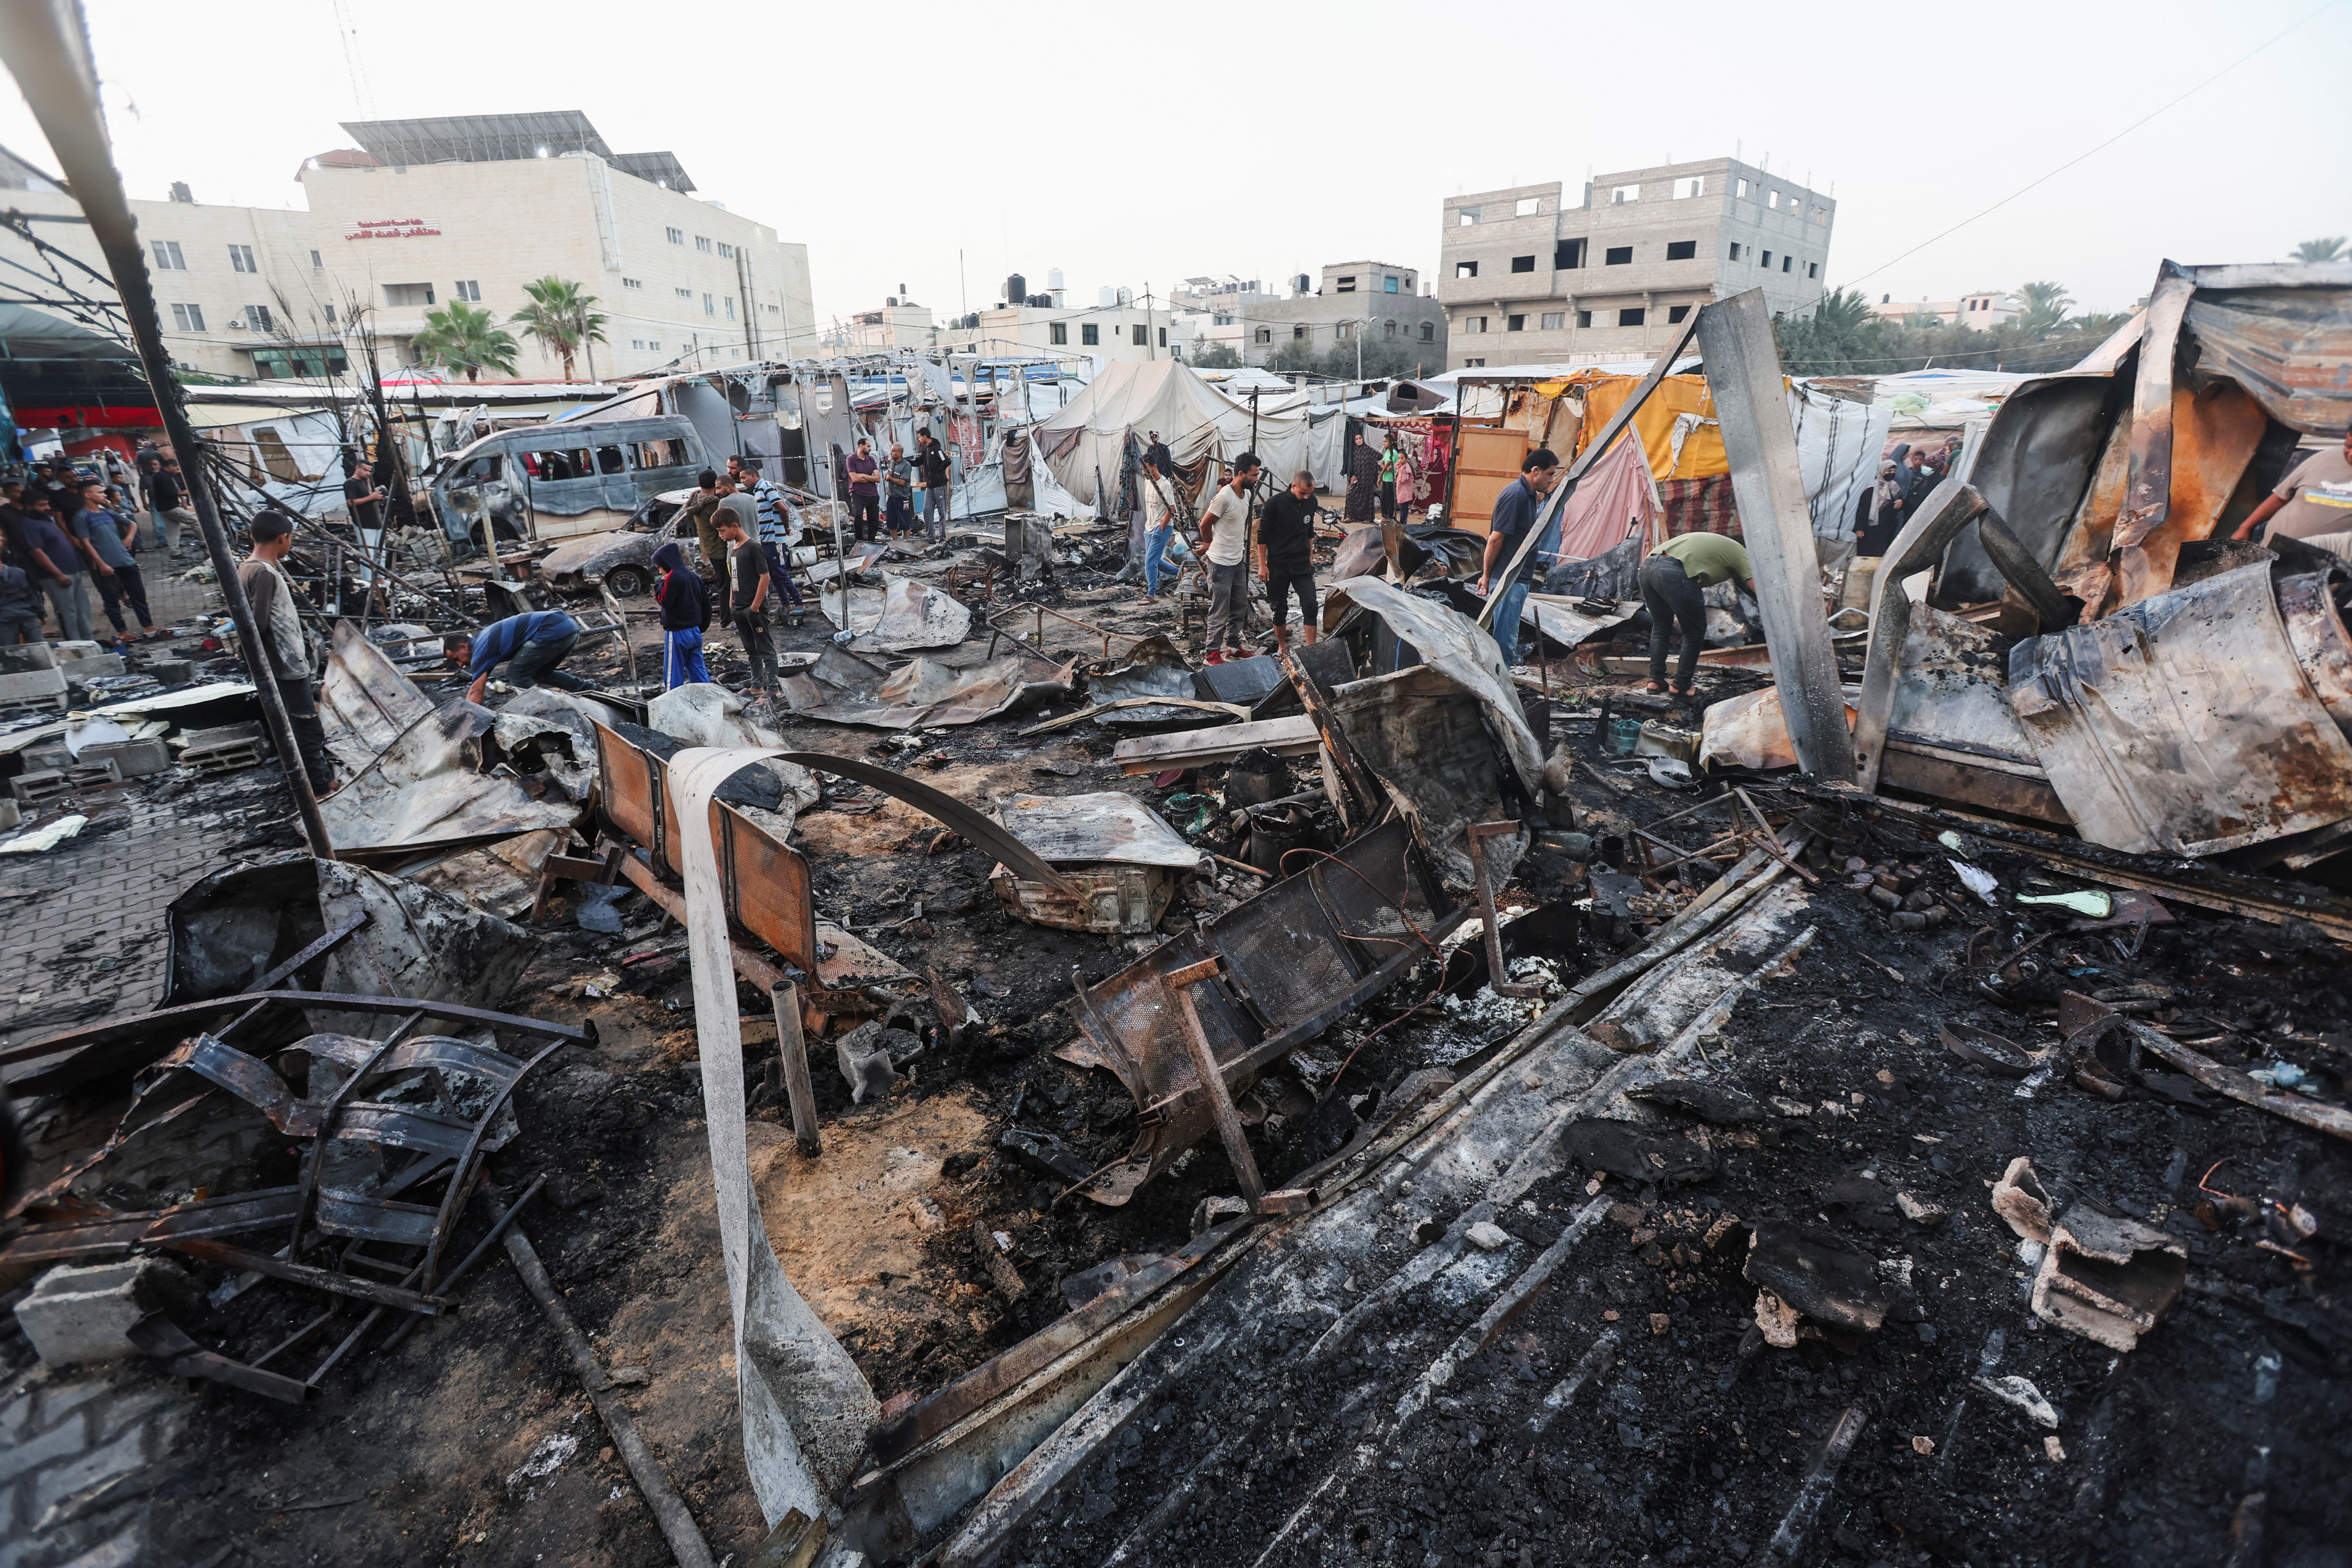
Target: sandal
(1681, 692)
(1659, 688)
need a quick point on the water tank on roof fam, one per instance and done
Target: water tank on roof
(1017, 290)
(1106, 297)
(1054, 279)
(1299, 285)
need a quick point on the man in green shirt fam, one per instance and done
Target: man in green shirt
(1673, 580)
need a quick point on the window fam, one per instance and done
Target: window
(1526, 206)
(1473, 364)
(1813, 269)
(240, 258)
(549, 466)
(258, 318)
(674, 236)
(317, 265)
(653, 346)
(1738, 250)
(1619, 195)
(1742, 190)
(469, 290)
(730, 307)
(1296, 333)
(1694, 186)
(1633, 318)
(408, 294)
(1388, 285)
(1163, 337)
(637, 344)
(1523, 264)
(1429, 332)
(1474, 323)
(1821, 216)
(669, 454)
(1767, 258)
(1619, 256)
(1773, 199)
(708, 308)
(1584, 318)
(684, 293)
(330, 315)
(1143, 336)
(1465, 217)
(168, 257)
(1343, 285)
(274, 454)
(727, 250)
(1682, 249)
(1388, 329)
(1568, 255)
(1674, 313)
(702, 243)
(1514, 324)
(632, 283)
(1788, 263)
(1090, 336)
(188, 318)
(1057, 333)
(1466, 270)
(1553, 321)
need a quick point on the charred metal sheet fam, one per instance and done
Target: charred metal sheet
(1425, 736)
(1153, 668)
(2183, 724)
(1299, 955)
(840, 687)
(2311, 604)
(2279, 331)
(1124, 859)
(1949, 508)
(1952, 732)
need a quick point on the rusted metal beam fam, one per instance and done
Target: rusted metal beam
(326, 1280)
(1357, 786)
(1751, 405)
(2147, 487)
(2014, 561)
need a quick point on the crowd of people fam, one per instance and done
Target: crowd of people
(745, 530)
(67, 527)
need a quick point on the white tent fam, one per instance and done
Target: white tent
(1083, 443)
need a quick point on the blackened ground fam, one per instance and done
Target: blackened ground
(1691, 1447)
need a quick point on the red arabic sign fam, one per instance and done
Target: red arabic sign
(389, 229)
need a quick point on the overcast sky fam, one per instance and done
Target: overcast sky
(1142, 146)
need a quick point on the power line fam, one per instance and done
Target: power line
(2151, 114)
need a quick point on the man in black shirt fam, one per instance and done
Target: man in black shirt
(1286, 556)
(934, 474)
(363, 500)
(167, 492)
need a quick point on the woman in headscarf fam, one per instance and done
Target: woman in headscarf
(685, 616)
(1885, 513)
(1363, 479)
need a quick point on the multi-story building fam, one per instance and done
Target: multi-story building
(1118, 326)
(424, 212)
(1527, 277)
(1981, 311)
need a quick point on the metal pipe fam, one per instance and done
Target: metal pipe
(46, 48)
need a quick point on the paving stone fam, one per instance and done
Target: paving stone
(64, 1395)
(58, 1443)
(97, 1467)
(117, 1552)
(136, 1404)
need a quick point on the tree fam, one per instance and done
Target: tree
(1383, 357)
(2046, 305)
(1843, 311)
(2331, 249)
(462, 338)
(1216, 356)
(562, 318)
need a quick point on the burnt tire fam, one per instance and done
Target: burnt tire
(630, 581)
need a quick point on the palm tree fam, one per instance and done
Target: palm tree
(2328, 250)
(1843, 310)
(562, 319)
(2046, 305)
(463, 338)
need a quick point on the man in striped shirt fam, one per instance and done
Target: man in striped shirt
(778, 534)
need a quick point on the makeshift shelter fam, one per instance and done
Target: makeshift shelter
(1085, 442)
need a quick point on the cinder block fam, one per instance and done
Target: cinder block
(68, 649)
(94, 666)
(171, 672)
(131, 759)
(78, 1315)
(32, 788)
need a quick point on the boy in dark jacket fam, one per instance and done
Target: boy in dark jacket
(685, 614)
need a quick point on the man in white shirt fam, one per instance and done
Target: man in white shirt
(1225, 539)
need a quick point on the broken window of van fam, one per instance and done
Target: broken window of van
(661, 454)
(608, 460)
(548, 466)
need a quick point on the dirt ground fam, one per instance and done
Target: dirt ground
(472, 1443)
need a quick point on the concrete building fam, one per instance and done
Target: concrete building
(424, 212)
(1385, 302)
(1527, 277)
(1982, 310)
